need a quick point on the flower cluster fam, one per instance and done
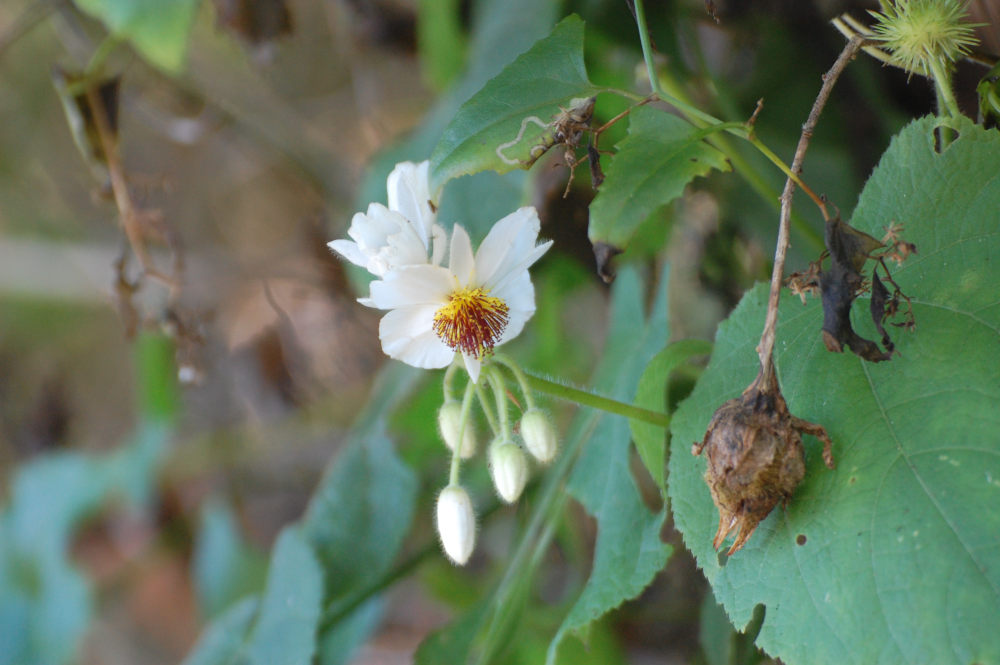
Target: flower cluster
(478, 302)
(436, 314)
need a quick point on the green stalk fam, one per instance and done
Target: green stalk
(695, 116)
(456, 456)
(607, 404)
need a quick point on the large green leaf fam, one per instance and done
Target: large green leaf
(548, 75)
(894, 557)
(279, 627)
(628, 552)
(651, 440)
(660, 156)
(157, 28)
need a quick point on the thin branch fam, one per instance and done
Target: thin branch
(130, 215)
(765, 350)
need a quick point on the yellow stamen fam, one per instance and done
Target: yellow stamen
(471, 321)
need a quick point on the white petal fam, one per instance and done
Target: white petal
(409, 194)
(406, 335)
(412, 285)
(461, 261)
(472, 366)
(439, 244)
(500, 279)
(511, 237)
(519, 296)
(350, 251)
(509, 247)
(371, 229)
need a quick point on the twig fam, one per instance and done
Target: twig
(130, 221)
(765, 350)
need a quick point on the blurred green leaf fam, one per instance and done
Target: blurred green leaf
(654, 163)
(358, 517)
(42, 593)
(362, 511)
(548, 75)
(440, 41)
(285, 628)
(222, 641)
(279, 626)
(650, 440)
(914, 439)
(226, 568)
(158, 29)
(628, 552)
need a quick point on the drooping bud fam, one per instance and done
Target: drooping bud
(509, 469)
(539, 435)
(449, 422)
(456, 523)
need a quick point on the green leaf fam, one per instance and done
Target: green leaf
(158, 29)
(45, 599)
(222, 641)
(548, 75)
(226, 568)
(900, 553)
(278, 627)
(360, 514)
(651, 440)
(285, 629)
(628, 552)
(358, 517)
(440, 41)
(660, 156)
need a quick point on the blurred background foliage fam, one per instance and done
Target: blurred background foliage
(136, 510)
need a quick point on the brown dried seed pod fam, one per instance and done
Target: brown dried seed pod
(755, 459)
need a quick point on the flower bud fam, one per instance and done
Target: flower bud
(539, 435)
(509, 469)
(456, 523)
(449, 421)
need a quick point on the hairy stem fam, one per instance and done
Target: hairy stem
(598, 402)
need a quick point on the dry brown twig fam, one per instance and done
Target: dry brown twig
(131, 216)
(765, 349)
(753, 443)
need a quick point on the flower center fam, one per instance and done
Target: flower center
(471, 321)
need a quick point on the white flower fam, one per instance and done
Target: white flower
(404, 233)
(476, 303)
(456, 523)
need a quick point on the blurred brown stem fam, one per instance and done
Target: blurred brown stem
(765, 350)
(129, 214)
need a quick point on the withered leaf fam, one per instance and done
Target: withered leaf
(72, 89)
(849, 250)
